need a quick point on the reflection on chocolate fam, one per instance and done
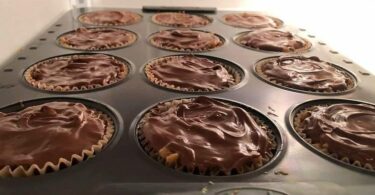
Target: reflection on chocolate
(345, 129)
(110, 18)
(180, 19)
(208, 134)
(185, 40)
(97, 38)
(305, 73)
(190, 72)
(77, 71)
(273, 40)
(251, 20)
(47, 132)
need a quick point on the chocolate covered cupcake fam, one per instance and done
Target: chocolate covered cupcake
(109, 18)
(186, 40)
(251, 20)
(97, 38)
(305, 73)
(50, 136)
(206, 136)
(345, 131)
(177, 19)
(79, 72)
(273, 40)
(191, 73)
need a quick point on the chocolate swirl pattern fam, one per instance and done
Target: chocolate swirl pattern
(207, 134)
(305, 73)
(344, 130)
(176, 19)
(251, 20)
(110, 18)
(185, 40)
(191, 73)
(273, 40)
(76, 72)
(97, 38)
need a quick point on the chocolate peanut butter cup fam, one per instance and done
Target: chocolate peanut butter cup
(110, 18)
(342, 130)
(272, 40)
(77, 72)
(207, 136)
(192, 73)
(305, 74)
(44, 137)
(178, 19)
(251, 20)
(89, 39)
(186, 40)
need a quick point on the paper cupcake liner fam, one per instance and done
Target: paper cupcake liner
(34, 169)
(322, 147)
(209, 21)
(151, 77)
(40, 85)
(259, 72)
(110, 24)
(169, 159)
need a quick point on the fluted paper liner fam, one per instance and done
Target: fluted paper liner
(151, 77)
(40, 85)
(169, 159)
(209, 20)
(34, 169)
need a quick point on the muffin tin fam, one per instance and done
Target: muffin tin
(123, 168)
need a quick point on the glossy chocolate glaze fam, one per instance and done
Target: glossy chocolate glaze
(79, 71)
(207, 134)
(191, 72)
(273, 40)
(348, 130)
(47, 132)
(110, 18)
(251, 20)
(306, 73)
(97, 38)
(185, 39)
(180, 19)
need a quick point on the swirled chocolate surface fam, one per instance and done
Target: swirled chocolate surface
(251, 20)
(185, 40)
(273, 40)
(207, 134)
(110, 18)
(177, 19)
(97, 38)
(190, 72)
(47, 132)
(305, 73)
(77, 71)
(348, 130)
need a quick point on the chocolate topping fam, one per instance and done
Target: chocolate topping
(110, 18)
(190, 72)
(47, 132)
(185, 40)
(77, 71)
(347, 130)
(208, 134)
(251, 20)
(180, 19)
(304, 73)
(97, 38)
(273, 40)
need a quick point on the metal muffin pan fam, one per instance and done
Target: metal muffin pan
(123, 168)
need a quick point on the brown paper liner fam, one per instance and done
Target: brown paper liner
(110, 24)
(151, 77)
(169, 159)
(209, 20)
(34, 169)
(40, 85)
(322, 147)
(259, 72)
